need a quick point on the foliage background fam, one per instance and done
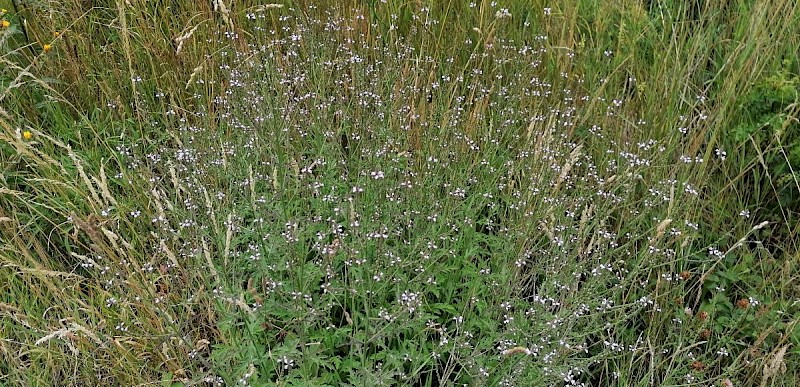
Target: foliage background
(177, 207)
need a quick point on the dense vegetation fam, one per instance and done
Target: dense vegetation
(423, 193)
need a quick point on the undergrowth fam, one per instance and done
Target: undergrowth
(387, 193)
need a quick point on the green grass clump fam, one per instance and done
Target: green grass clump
(387, 193)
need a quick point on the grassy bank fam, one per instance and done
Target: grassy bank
(386, 193)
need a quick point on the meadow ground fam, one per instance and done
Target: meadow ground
(421, 193)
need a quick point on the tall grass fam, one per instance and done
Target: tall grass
(398, 193)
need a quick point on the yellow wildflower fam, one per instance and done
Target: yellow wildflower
(47, 47)
(27, 135)
(5, 23)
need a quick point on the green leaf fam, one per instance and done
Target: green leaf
(444, 308)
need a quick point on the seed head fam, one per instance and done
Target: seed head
(516, 350)
(743, 303)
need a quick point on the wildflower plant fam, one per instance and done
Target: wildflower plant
(399, 194)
